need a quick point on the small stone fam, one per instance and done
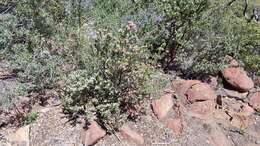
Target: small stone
(162, 106)
(175, 125)
(92, 134)
(254, 100)
(200, 92)
(130, 135)
(238, 78)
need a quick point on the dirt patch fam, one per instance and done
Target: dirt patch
(52, 128)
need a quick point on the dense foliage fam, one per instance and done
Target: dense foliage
(111, 87)
(106, 50)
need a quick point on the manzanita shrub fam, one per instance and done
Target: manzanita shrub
(109, 87)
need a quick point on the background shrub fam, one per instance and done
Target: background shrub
(10, 93)
(39, 37)
(195, 36)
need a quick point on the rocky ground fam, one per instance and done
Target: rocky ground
(224, 111)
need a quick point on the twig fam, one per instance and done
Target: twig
(114, 133)
(5, 11)
(230, 3)
(118, 138)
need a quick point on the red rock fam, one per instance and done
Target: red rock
(238, 78)
(162, 106)
(181, 86)
(201, 109)
(132, 136)
(200, 92)
(254, 100)
(92, 134)
(175, 125)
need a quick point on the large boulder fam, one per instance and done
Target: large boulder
(238, 78)
(200, 92)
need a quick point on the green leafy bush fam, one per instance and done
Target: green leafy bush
(39, 69)
(30, 117)
(109, 86)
